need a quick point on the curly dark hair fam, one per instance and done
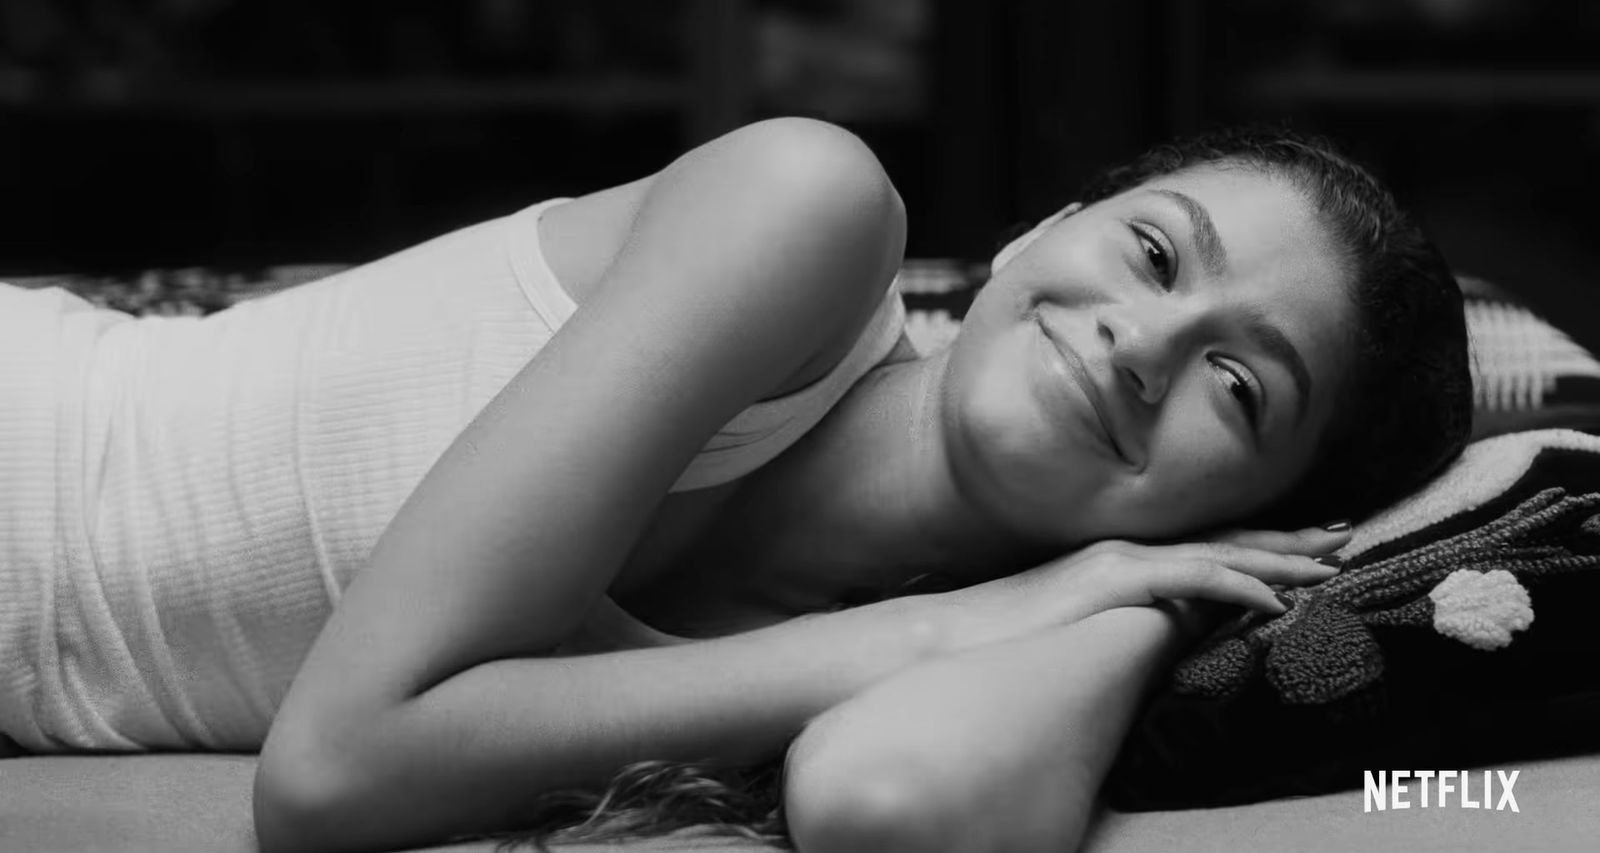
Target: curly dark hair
(1404, 412)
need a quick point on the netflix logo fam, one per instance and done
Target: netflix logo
(1401, 789)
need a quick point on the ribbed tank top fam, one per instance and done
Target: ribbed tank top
(186, 497)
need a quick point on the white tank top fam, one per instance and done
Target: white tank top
(185, 498)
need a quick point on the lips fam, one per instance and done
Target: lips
(1097, 401)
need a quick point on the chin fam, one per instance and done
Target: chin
(991, 405)
(1027, 477)
(995, 411)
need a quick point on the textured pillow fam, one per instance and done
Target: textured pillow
(188, 291)
(1461, 632)
(1526, 373)
(937, 293)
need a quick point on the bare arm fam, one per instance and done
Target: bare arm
(422, 709)
(1003, 746)
(465, 756)
(1000, 748)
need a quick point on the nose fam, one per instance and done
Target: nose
(1146, 345)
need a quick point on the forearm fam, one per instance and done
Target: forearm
(1000, 748)
(462, 756)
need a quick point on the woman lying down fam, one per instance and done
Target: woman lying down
(639, 493)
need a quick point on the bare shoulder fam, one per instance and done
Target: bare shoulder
(831, 228)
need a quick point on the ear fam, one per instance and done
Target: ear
(1017, 246)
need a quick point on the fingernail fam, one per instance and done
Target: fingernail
(1339, 526)
(1286, 601)
(1332, 561)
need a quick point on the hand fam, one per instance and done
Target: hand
(1236, 567)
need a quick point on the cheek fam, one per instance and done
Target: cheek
(1076, 258)
(991, 401)
(1035, 475)
(1000, 301)
(1201, 474)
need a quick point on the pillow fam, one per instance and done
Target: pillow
(1526, 373)
(937, 294)
(1460, 633)
(189, 291)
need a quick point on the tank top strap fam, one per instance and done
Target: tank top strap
(533, 273)
(764, 429)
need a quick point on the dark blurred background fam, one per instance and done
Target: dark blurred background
(142, 133)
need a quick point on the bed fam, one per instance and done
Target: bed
(201, 804)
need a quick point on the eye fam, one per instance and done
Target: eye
(1159, 257)
(1243, 387)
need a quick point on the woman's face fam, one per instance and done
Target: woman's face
(1157, 363)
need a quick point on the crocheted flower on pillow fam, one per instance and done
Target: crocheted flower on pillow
(1468, 587)
(1481, 609)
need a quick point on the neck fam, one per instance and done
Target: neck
(879, 482)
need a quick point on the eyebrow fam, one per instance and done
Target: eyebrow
(1276, 344)
(1213, 257)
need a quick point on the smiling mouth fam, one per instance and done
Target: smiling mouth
(1080, 373)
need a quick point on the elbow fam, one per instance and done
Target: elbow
(836, 802)
(299, 802)
(865, 815)
(899, 813)
(286, 814)
(843, 797)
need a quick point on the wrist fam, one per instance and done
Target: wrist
(926, 624)
(950, 622)
(999, 611)
(863, 644)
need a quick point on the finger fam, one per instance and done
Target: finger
(1244, 537)
(1310, 540)
(1214, 582)
(1267, 566)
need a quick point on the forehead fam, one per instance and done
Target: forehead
(1261, 216)
(1278, 252)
